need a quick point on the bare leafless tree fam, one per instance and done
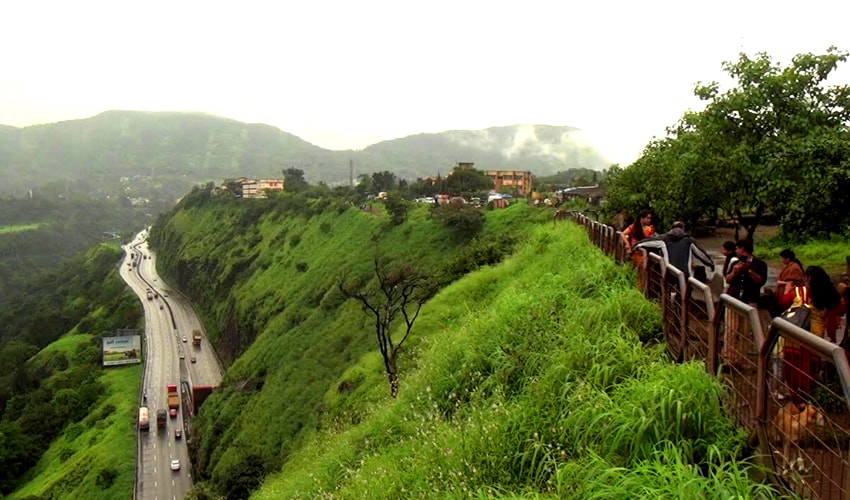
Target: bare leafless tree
(398, 288)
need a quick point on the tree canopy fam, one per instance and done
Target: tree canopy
(776, 141)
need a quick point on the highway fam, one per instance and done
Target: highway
(169, 318)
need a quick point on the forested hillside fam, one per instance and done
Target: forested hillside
(486, 379)
(38, 232)
(63, 419)
(264, 275)
(182, 149)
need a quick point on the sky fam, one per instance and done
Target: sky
(344, 74)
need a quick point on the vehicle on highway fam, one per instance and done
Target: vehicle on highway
(144, 419)
(161, 418)
(175, 464)
(178, 434)
(173, 412)
(193, 360)
(160, 308)
(182, 356)
(185, 339)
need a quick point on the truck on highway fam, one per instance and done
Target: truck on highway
(144, 419)
(196, 338)
(173, 398)
(161, 418)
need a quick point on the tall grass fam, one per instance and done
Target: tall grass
(540, 377)
(828, 253)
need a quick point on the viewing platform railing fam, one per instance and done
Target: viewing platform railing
(788, 387)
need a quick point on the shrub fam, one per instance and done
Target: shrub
(106, 477)
(397, 208)
(465, 221)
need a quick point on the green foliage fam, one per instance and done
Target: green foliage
(467, 182)
(37, 234)
(383, 181)
(775, 142)
(293, 179)
(294, 327)
(465, 221)
(530, 381)
(397, 207)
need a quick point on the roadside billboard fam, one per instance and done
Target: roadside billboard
(122, 350)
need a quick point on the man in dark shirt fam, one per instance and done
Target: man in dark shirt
(748, 276)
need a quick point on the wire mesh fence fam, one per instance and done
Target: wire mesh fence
(673, 310)
(789, 387)
(804, 411)
(699, 317)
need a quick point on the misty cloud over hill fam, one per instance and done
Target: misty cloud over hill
(202, 147)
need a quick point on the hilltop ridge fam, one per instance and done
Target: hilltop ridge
(191, 147)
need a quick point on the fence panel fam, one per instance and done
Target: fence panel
(654, 275)
(739, 332)
(699, 316)
(673, 310)
(803, 412)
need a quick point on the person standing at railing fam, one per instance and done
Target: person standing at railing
(745, 280)
(640, 230)
(802, 366)
(680, 250)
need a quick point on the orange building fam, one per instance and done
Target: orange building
(507, 180)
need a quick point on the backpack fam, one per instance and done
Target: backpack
(799, 313)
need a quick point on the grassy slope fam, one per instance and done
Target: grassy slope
(305, 335)
(20, 227)
(829, 254)
(529, 378)
(106, 440)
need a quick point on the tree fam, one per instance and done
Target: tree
(397, 208)
(383, 181)
(399, 288)
(467, 182)
(775, 141)
(293, 180)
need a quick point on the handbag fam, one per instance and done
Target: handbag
(799, 313)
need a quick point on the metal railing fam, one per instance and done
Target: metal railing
(803, 413)
(790, 388)
(699, 318)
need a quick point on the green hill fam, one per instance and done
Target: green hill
(182, 149)
(66, 424)
(539, 376)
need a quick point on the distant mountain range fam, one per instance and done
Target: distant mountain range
(200, 147)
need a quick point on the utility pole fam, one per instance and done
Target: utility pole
(350, 173)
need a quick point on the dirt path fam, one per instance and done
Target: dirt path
(712, 244)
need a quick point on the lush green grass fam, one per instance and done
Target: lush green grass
(265, 280)
(94, 458)
(829, 254)
(539, 377)
(17, 228)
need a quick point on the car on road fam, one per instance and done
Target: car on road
(193, 359)
(185, 339)
(178, 434)
(175, 464)
(173, 412)
(182, 356)
(160, 308)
